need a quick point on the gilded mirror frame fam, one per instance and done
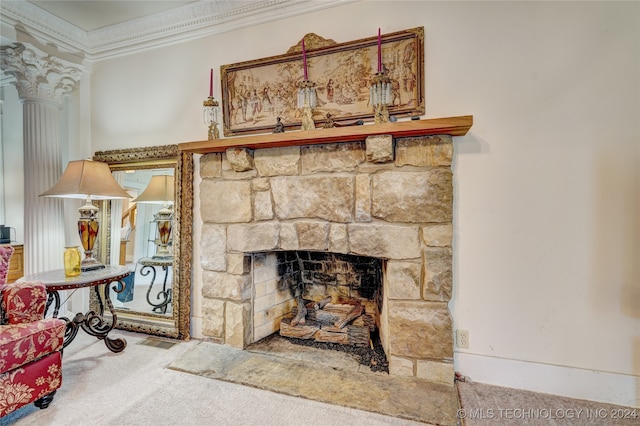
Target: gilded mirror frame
(178, 326)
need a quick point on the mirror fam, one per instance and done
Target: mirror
(145, 234)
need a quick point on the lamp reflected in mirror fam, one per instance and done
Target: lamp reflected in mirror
(89, 180)
(160, 191)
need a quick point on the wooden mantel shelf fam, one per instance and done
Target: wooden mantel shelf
(454, 126)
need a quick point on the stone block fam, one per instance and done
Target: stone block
(238, 264)
(420, 330)
(213, 318)
(277, 161)
(363, 198)
(312, 235)
(438, 274)
(327, 197)
(211, 165)
(401, 366)
(436, 371)
(424, 151)
(341, 157)
(225, 201)
(240, 159)
(338, 238)
(438, 235)
(288, 236)
(213, 247)
(262, 207)
(261, 236)
(403, 280)
(229, 173)
(260, 184)
(379, 148)
(237, 331)
(386, 241)
(226, 286)
(413, 197)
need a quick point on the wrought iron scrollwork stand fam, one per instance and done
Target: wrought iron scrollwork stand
(92, 323)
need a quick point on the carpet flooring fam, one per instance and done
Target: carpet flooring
(141, 386)
(486, 405)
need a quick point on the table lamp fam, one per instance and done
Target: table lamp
(160, 190)
(91, 180)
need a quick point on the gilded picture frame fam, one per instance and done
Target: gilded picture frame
(257, 92)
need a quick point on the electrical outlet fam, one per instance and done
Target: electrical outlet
(462, 339)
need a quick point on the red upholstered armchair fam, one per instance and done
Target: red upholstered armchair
(30, 357)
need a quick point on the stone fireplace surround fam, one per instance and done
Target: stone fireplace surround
(386, 196)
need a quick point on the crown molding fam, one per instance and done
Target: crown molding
(192, 20)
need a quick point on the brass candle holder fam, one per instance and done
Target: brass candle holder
(380, 95)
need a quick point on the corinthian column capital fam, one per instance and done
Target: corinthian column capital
(39, 75)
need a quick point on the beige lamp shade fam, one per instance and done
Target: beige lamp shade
(86, 178)
(91, 180)
(160, 190)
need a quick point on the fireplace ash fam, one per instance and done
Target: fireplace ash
(372, 357)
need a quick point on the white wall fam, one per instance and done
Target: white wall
(547, 182)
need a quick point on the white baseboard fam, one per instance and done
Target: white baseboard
(592, 385)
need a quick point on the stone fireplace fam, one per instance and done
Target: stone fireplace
(383, 197)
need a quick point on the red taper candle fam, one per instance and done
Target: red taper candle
(379, 52)
(304, 61)
(211, 83)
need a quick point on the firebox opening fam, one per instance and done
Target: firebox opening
(340, 296)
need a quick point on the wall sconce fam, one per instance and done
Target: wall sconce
(161, 190)
(91, 180)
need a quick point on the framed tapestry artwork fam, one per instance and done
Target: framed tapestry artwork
(255, 93)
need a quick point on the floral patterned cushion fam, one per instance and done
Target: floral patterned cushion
(23, 301)
(26, 384)
(23, 343)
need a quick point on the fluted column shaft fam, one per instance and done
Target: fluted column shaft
(44, 217)
(42, 82)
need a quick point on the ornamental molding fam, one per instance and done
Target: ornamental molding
(37, 74)
(192, 20)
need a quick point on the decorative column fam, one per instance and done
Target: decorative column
(42, 82)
